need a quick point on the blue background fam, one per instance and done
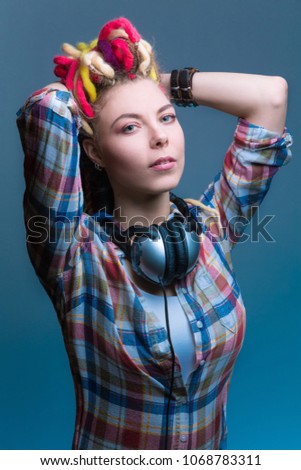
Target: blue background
(37, 406)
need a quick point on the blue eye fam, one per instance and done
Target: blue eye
(129, 128)
(168, 117)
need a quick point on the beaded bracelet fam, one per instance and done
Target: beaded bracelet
(181, 86)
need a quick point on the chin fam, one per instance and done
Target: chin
(160, 185)
(171, 186)
(163, 189)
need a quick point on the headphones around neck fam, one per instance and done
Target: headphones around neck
(161, 253)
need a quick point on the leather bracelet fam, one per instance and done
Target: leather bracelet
(181, 86)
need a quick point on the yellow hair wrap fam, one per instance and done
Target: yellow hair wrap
(84, 47)
(84, 70)
(153, 74)
(88, 85)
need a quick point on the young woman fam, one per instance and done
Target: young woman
(142, 281)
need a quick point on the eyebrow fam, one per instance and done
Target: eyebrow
(138, 116)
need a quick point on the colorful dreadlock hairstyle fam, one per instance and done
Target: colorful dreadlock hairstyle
(118, 54)
(119, 50)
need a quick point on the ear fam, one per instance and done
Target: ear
(93, 152)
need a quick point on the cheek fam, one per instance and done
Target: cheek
(112, 153)
(127, 152)
(123, 158)
(123, 163)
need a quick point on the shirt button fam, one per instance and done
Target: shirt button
(199, 324)
(182, 401)
(183, 438)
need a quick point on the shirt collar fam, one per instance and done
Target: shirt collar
(174, 212)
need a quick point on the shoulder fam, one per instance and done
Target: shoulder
(56, 86)
(53, 98)
(53, 92)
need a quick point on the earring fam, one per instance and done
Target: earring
(98, 167)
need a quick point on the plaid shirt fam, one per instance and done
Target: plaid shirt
(119, 353)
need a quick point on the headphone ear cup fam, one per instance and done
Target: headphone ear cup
(182, 254)
(170, 254)
(174, 235)
(147, 254)
(180, 251)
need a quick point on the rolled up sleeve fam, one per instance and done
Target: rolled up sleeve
(252, 160)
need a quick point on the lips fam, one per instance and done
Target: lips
(163, 161)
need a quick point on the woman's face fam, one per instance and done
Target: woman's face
(139, 139)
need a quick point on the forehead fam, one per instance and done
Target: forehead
(137, 96)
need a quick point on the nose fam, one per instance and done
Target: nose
(158, 138)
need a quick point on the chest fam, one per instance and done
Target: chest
(214, 310)
(102, 297)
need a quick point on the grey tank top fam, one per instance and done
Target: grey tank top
(180, 330)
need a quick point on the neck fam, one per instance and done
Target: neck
(146, 210)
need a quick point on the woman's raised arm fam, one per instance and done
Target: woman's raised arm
(259, 99)
(260, 144)
(53, 200)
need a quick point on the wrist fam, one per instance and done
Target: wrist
(181, 86)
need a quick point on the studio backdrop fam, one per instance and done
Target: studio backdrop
(37, 404)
